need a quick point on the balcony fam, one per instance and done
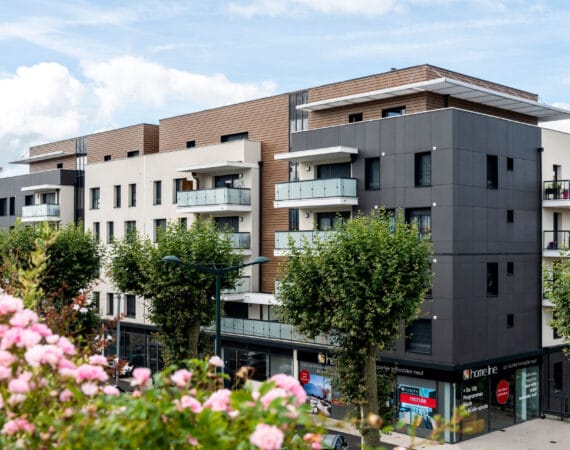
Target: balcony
(266, 330)
(556, 243)
(556, 194)
(240, 241)
(44, 212)
(243, 286)
(333, 192)
(298, 238)
(223, 199)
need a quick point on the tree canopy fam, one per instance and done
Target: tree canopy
(557, 290)
(181, 297)
(360, 286)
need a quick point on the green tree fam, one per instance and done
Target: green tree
(557, 290)
(361, 286)
(181, 297)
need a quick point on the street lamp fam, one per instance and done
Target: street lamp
(218, 269)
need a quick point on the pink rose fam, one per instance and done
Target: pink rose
(216, 361)
(219, 400)
(24, 318)
(65, 395)
(98, 360)
(21, 384)
(112, 391)
(272, 395)
(89, 372)
(292, 386)
(89, 388)
(141, 376)
(9, 304)
(188, 402)
(181, 378)
(267, 437)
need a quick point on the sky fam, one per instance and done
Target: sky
(71, 68)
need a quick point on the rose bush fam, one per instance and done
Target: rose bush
(51, 397)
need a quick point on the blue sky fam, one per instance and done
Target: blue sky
(75, 67)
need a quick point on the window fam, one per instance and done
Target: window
(131, 306)
(183, 222)
(421, 217)
(157, 192)
(110, 232)
(96, 231)
(331, 220)
(510, 164)
(492, 172)
(49, 198)
(190, 144)
(492, 279)
(3, 206)
(372, 174)
(12, 206)
(107, 158)
(418, 336)
(130, 227)
(132, 154)
(510, 320)
(110, 304)
(59, 166)
(557, 376)
(180, 185)
(29, 200)
(298, 119)
(422, 169)
(159, 227)
(356, 117)
(95, 299)
(510, 268)
(234, 137)
(230, 180)
(117, 196)
(132, 194)
(95, 195)
(393, 112)
(555, 334)
(510, 216)
(293, 220)
(328, 171)
(227, 223)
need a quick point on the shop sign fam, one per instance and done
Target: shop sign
(304, 376)
(420, 402)
(471, 374)
(502, 392)
(417, 400)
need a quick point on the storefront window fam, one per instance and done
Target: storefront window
(527, 387)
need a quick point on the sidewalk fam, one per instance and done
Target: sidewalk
(536, 434)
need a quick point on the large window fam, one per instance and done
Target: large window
(418, 336)
(422, 169)
(293, 220)
(130, 227)
(117, 196)
(29, 200)
(131, 306)
(228, 223)
(298, 119)
(159, 227)
(330, 220)
(234, 137)
(110, 232)
(492, 172)
(230, 180)
(393, 112)
(132, 194)
(157, 192)
(421, 217)
(372, 174)
(328, 171)
(96, 231)
(95, 197)
(492, 279)
(110, 304)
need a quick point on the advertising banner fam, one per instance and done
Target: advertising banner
(417, 402)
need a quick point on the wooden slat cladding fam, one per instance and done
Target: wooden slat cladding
(267, 121)
(117, 143)
(51, 164)
(67, 146)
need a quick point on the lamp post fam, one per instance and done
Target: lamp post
(218, 269)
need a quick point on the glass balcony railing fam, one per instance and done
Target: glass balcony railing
(556, 240)
(267, 330)
(217, 196)
(240, 240)
(299, 238)
(242, 286)
(308, 189)
(42, 210)
(556, 190)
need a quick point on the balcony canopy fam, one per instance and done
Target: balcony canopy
(44, 157)
(453, 88)
(218, 167)
(337, 153)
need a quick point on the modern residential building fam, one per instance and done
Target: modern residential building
(462, 157)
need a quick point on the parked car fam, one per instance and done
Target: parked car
(335, 441)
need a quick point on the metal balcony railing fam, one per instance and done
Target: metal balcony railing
(556, 190)
(240, 240)
(556, 240)
(42, 210)
(216, 196)
(309, 189)
(299, 238)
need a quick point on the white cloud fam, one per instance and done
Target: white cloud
(126, 81)
(292, 7)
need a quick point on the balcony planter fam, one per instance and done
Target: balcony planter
(565, 194)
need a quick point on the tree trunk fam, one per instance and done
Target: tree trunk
(370, 435)
(193, 337)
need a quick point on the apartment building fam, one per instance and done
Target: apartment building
(463, 158)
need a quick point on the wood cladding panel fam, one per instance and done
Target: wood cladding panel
(267, 121)
(118, 142)
(68, 146)
(41, 166)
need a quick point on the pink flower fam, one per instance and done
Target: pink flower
(42, 329)
(141, 376)
(89, 372)
(20, 385)
(24, 318)
(216, 361)
(192, 441)
(6, 358)
(65, 395)
(30, 338)
(111, 391)
(188, 402)
(267, 437)
(219, 400)
(5, 372)
(67, 347)
(9, 304)
(89, 389)
(98, 360)
(292, 386)
(43, 354)
(12, 336)
(181, 378)
(272, 395)
(14, 426)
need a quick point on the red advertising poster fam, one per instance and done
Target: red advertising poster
(417, 400)
(502, 392)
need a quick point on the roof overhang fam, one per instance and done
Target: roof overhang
(454, 88)
(218, 166)
(41, 188)
(44, 157)
(339, 152)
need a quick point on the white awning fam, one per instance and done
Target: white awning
(454, 88)
(44, 157)
(339, 152)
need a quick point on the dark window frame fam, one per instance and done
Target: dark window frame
(190, 144)
(131, 306)
(110, 231)
(132, 195)
(422, 169)
(95, 198)
(492, 279)
(510, 320)
(355, 117)
(133, 154)
(117, 196)
(234, 136)
(419, 337)
(394, 111)
(510, 164)
(12, 206)
(107, 158)
(510, 216)
(557, 376)
(492, 172)
(372, 174)
(110, 304)
(510, 268)
(157, 192)
(158, 224)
